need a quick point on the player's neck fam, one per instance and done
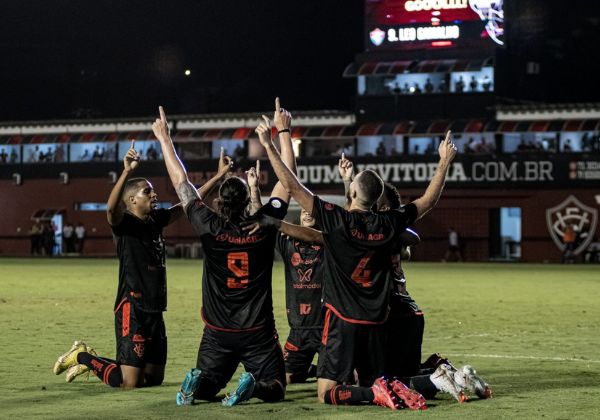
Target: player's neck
(354, 206)
(138, 213)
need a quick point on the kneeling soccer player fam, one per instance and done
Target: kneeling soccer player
(137, 226)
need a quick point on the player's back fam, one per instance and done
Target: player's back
(236, 280)
(358, 250)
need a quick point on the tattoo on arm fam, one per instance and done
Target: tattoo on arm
(186, 193)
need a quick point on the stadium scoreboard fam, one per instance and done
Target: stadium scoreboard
(396, 25)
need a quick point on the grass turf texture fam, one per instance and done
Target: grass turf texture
(530, 330)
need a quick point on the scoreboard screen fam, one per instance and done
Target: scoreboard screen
(393, 25)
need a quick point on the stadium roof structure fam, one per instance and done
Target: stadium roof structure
(405, 127)
(540, 112)
(392, 68)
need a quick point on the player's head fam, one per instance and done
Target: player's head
(139, 196)
(365, 190)
(306, 219)
(234, 197)
(390, 199)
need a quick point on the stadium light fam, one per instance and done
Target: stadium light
(17, 180)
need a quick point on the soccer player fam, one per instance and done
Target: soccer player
(237, 306)
(405, 326)
(137, 224)
(303, 263)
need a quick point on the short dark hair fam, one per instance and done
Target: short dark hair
(370, 186)
(132, 185)
(234, 197)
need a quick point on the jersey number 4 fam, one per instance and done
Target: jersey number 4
(362, 274)
(237, 263)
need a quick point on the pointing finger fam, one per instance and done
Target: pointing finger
(267, 121)
(132, 144)
(277, 104)
(258, 166)
(222, 155)
(163, 117)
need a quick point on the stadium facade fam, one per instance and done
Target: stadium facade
(523, 173)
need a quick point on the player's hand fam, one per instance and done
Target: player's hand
(264, 132)
(346, 168)
(253, 175)
(257, 223)
(281, 118)
(132, 158)
(447, 149)
(160, 126)
(225, 164)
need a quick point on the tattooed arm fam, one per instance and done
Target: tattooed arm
(184, 188)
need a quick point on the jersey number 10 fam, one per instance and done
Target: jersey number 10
(237, 263)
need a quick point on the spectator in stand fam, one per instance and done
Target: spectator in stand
(79, 237)
(567, 147)
(69, 237)
(13, 156)
(406, 89)
(151, 153)
(33, 155)
(460, 85)
(483, 148)
(417, 89)
(239, 152)
(443, 87)
(59, 153)
(85, 156)
(96, 156)
(487, 84)
(380, 151)
(428, 86)
(469, 148)
(473, 84)
(453, 246)
(3, 156)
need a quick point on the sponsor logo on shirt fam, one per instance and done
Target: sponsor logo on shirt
(238, 240)
(367, 236)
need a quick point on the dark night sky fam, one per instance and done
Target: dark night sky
(121, 58)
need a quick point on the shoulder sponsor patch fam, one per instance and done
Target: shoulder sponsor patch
(276, 203)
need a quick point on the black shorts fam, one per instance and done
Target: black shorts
(259, 352)
(300, 349)
(346, 346)
(141, 336)
(404, 340)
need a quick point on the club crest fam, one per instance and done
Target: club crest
(572, 212)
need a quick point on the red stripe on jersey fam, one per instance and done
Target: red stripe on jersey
(353, 321)
(214, 327)
(289, 346)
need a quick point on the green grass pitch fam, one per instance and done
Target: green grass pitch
(532, 331)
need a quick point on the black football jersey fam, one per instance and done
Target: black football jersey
(303, 282)
(141, 250)
(358, 265)
(236, 280)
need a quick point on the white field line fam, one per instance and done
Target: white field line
(505, 356)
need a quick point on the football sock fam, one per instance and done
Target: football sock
(269, 391)
(106, 370)
(423, 385)
(351, 395)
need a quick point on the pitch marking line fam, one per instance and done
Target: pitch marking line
(504, 356)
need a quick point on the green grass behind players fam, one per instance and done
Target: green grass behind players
(532, 331)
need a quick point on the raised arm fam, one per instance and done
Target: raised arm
(429, 199)
(301, 233)
(253, 175)
(346, 169)
(184, 188)
(114, 206)
(287, 178)
(283, 122)
(225, 163)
